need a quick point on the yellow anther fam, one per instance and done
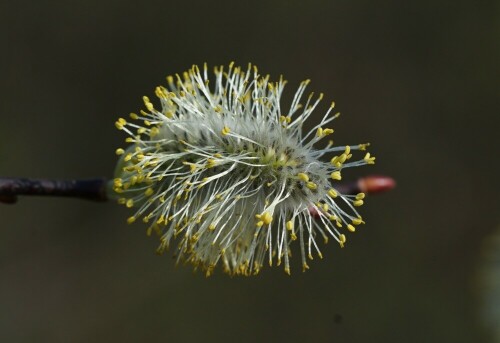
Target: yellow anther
(127, 158)
(333, 193)
(369, 159)
(289, 225)
(120, 123)
(160, 93)
(129, 140)
(319, 132)
(363, 146)
(154, 131)
(149, 192)
(133, 116)
(293, 236)
(267, 218)
(259, 223)
(303, 177)
(211, 227)
(119, 151)
(148, 103)
(121, 201)
(357, 202)
(130, 203)
(311, 185)
(342, 240)
(210, 163)
(327, 132)
(225, 130)
(192, 166)
(282, 119)
(342, 158)
(217, 155)
(130, 220)
(325, 207)
(336, 175)
(169, 114)
(360, 196)
(351, 228)
(141, 130)
(347, 150)
(133, 180)
(357, 221)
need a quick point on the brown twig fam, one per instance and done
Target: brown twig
(12, 187)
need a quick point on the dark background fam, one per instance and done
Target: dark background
(417, 79)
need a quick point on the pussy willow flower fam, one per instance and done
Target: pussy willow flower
(226, 173)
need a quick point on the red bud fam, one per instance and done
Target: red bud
(376, 184)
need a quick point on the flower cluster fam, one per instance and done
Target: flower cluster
(228, 175)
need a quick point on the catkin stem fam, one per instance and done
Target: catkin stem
(12, 187)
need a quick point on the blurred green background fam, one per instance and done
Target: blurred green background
(420, 80)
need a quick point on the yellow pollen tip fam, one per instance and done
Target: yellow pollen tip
(332, 193)
(369, 159)
(129, 203)
(225, 130)
(267, 218)
(303, 177)
(363, 147)
(342, 240)
(351, 228)
(357, 221)
(130, 220)
(357, 202)
(311, 185)
(360, 196)
(289, 225)
(154, 131)
(336, 175)
(120, 123)
(148, 103)
(119, 151)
